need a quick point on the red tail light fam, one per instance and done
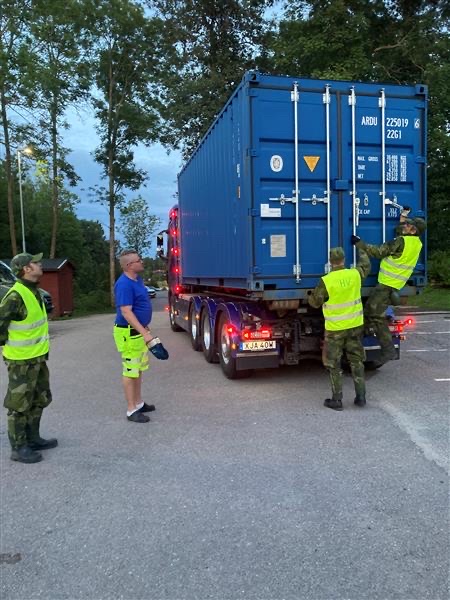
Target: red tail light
(396, 327)
(257, 334)
(409, 321)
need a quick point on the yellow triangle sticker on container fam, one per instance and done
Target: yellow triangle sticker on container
(311, 161)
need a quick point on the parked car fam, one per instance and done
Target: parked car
(151, 291)
(8, 279)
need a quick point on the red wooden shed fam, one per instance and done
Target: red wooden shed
(58, 281)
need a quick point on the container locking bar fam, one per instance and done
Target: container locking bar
(353, 192)
(327, 199)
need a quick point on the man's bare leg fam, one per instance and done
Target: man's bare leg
(131, 387)
(139, 390)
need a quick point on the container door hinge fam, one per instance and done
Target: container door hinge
(253, 212)
(252, 152)
(256, 270)
(420, 160)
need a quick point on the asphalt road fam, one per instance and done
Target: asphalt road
(236, 489)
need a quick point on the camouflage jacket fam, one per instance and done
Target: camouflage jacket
(320, 294)
(12, 308)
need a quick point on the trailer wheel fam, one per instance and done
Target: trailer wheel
(207, 339)
(194, 329)
(173, 325)
(227, 361)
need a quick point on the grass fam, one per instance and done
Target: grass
(432, 298)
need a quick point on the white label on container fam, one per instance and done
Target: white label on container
(278, 246)
(276, 163)
(403, 169)
(391, 167)
(266, 211)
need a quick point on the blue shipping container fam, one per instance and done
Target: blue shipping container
(292, 167)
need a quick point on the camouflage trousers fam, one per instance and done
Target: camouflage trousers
(27, 395)
(335, 344)
(375, 318)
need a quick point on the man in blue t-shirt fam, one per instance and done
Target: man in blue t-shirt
(131, 333)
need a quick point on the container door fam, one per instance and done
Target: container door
(383, 152)
(294, 133)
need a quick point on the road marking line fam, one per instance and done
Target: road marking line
(414, 432)
(427, 332)
(442, 379)
(429, 350)
(420, 322)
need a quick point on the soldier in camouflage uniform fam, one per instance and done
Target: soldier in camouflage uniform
(339, 295)
(24, 336)
(398, 259)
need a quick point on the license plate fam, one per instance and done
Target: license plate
(258, 345)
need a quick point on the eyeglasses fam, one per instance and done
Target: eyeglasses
(135, 261)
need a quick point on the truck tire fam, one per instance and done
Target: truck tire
(207, 338)
(227, 361)
(173, 325)
(194, 328)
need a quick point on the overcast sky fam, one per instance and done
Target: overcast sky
(162, 168)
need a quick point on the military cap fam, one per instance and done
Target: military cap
(418, 223)
(337, 255)
(23, 259)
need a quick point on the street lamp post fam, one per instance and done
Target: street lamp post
(28, 152)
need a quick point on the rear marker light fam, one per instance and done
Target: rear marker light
(257, 334)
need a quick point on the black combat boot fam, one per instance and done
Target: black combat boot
(360, 400)
(334, 403)
(25, 454)
(34, 440)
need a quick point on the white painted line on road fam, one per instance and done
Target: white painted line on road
(427, 332)
(410, 427)
(420, 322)
(442, 379)
(429, 350)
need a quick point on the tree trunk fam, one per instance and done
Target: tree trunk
(55, 187)
(9, 175)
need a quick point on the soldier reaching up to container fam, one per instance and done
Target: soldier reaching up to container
(398, 259)
(339, 294)
(24, 335)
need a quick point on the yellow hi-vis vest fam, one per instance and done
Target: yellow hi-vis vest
(343, 309)
(395, 272)
(28, 338)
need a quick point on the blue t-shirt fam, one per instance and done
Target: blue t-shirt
(128, 292)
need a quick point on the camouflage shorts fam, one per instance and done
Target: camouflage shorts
(28, 386)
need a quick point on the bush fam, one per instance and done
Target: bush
(439, 268)
(96, 301)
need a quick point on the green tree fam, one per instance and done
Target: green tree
(14, 96)
(125, 107)
(207, 46)
(138, 225)
(60, 75)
